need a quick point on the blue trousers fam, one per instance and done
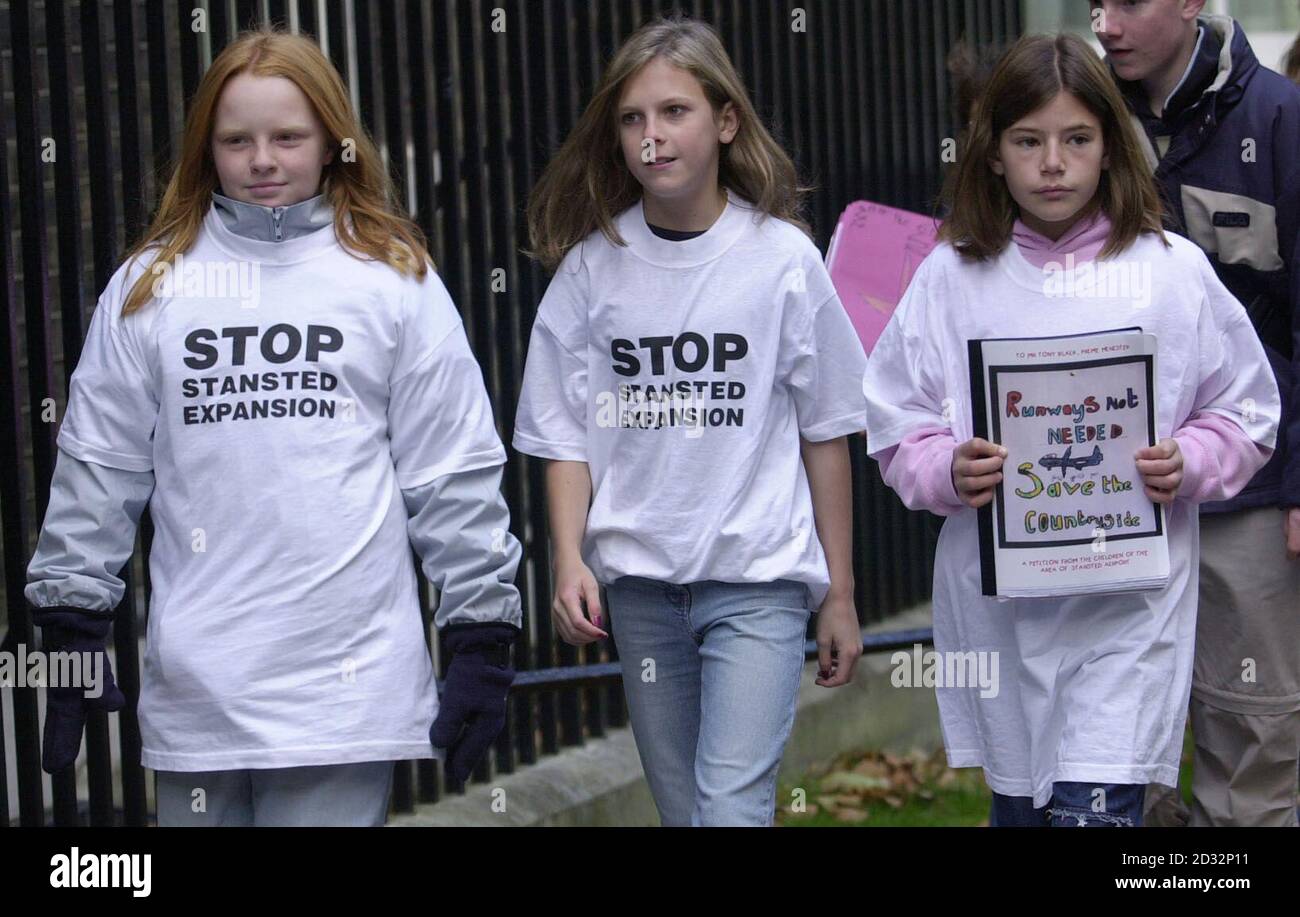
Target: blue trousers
(332, 795)
(1073, 805)
(711, 673)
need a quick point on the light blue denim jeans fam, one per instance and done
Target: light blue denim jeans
(330, 795)
(711, 673)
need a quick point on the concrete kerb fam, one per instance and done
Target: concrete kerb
(601, 783)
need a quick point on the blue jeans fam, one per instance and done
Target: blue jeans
(1073, 805)
(330, 795)
(711, 673)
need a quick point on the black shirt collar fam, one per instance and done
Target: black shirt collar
(675, 235)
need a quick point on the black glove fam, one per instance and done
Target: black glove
(472, 711)
(68, 630)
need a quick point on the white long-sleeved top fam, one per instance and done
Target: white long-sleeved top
(1092, 687)
(294, 437)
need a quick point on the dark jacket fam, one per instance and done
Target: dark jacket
(1226, 153)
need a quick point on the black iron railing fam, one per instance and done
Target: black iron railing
(466, 114)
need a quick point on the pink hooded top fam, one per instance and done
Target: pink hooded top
(1218, 457)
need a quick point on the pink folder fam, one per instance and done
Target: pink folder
(873, 255)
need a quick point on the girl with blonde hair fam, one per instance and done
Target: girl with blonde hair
(692, 379)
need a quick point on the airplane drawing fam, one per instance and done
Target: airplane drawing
(1079, 463)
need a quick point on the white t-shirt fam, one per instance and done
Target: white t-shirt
(683, 373)
(281, 422)
(1095, 687)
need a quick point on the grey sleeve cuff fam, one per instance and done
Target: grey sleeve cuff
(460, 526)
(87, 536)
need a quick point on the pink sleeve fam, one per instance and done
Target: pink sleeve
(1219, 458)
(919, 470)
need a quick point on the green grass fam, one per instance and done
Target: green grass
(874, 789)
(868, 788)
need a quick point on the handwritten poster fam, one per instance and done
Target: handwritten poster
(1070, 515)
(873, 254)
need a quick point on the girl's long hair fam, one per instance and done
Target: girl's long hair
(587, 183)
(981, 211)
(368, 219)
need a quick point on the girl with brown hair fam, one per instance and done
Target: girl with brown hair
(1051, 193)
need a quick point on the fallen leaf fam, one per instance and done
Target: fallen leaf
(851, 815)
(850, 781)
(871, 768)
